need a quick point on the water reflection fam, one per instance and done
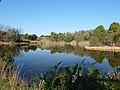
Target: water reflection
(37, 59)
(27, 48)
(99, 56)
(7, 53)
(12, 51)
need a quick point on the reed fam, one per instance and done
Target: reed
(58, 77)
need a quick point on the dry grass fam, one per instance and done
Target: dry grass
(10, 80)
(68, 78)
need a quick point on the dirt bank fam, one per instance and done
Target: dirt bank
(62, 43)
(4, 43)
(104, 48)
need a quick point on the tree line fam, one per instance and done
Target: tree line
(97, 36)
(11, 34)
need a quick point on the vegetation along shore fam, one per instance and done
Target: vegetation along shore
(96, 37)
(61, 78)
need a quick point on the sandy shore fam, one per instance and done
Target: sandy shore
(4, 43)
(104, 48)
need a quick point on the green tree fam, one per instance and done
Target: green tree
(113, 34)
(98, 35)
(1, 32)
(17, 34)
(60, 37)
(81, 36)
(32, 37)
(26, 36)
(54, 36)
(1, 35)
(114, 27)
(69, 37)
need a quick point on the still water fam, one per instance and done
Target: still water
(36, 60)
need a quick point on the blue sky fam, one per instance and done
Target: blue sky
(44, 16)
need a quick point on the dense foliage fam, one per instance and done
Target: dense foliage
(78, 77)
(98, 36)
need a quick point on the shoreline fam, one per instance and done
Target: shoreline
(4, 43)
(103, 48)
(86, 46)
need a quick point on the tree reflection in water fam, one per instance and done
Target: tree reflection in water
(9, 52)
(99, 56)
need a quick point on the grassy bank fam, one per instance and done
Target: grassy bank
(60, 78)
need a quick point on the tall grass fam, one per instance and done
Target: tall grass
(10, 80)
(77, 77)
(72, 77)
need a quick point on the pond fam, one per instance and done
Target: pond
(36, 60)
